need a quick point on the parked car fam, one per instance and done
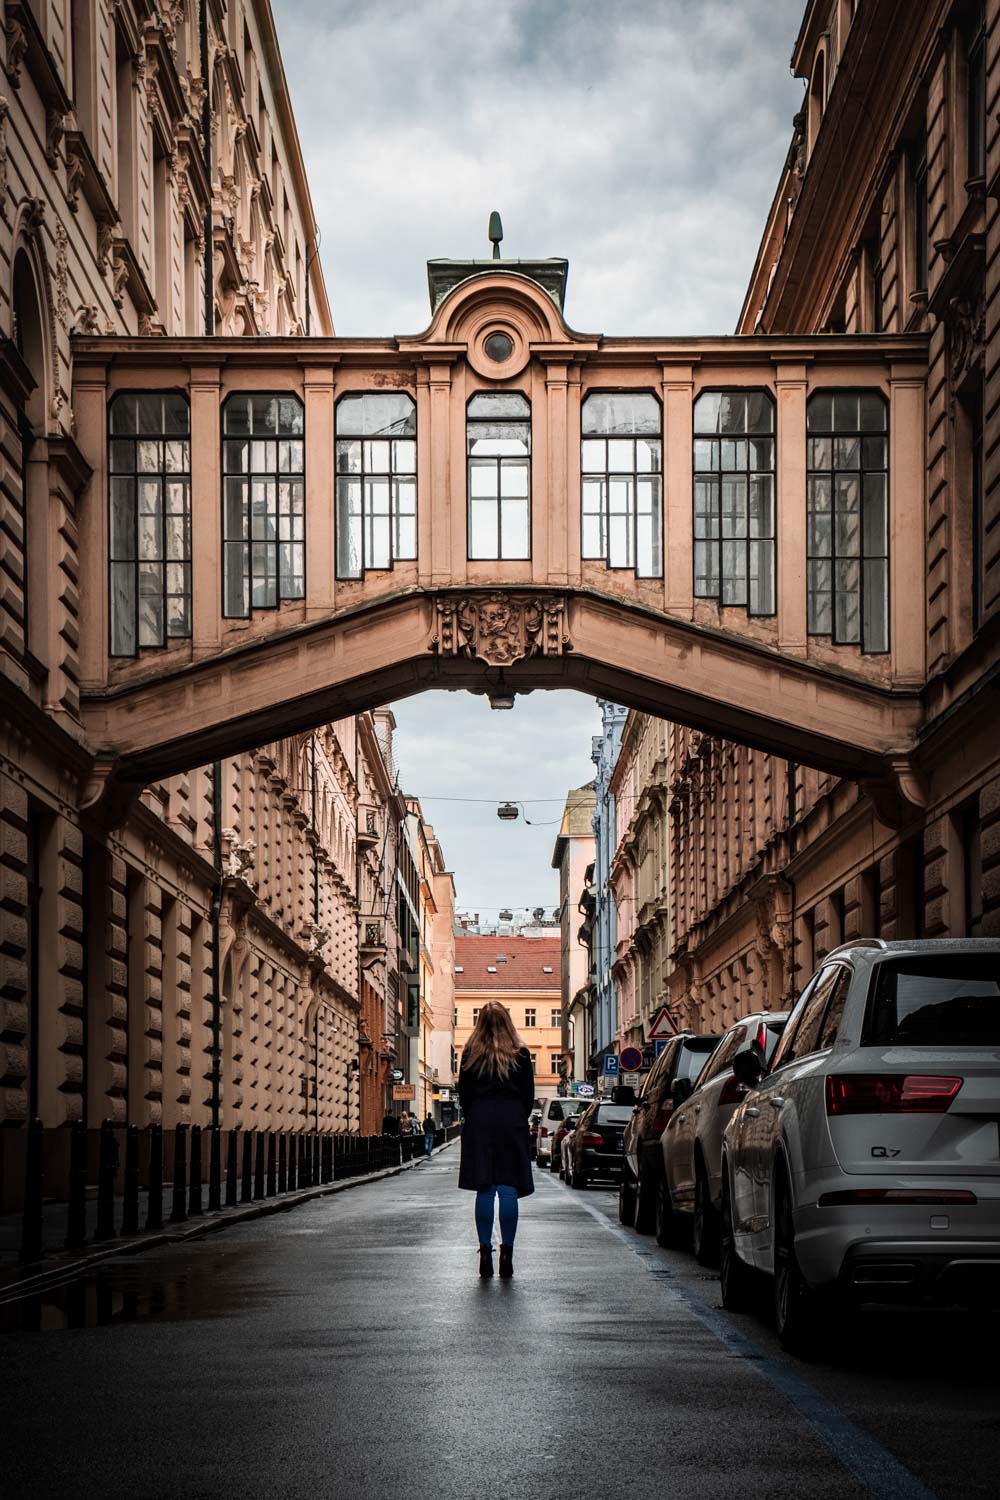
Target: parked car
(679, 1063)
(562, 1130)
(533, 1119)
(594, 1148)
(864, 1158)
(689, 1192)
(554, 1111)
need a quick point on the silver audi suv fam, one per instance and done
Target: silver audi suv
(865, 1158)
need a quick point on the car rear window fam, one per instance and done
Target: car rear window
(614, 1114)
(693, 1054)
(950, 1001)
(562, 1109)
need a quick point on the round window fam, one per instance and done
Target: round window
(498, 347)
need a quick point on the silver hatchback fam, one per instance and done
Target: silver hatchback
(866, 1159)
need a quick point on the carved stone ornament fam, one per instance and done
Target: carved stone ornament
(120, 273)
(74, 178)
(105, 244)
(17, 46)
(966, 318)
(62, 274)
(54, 127)
(501, 628)
(238, 859)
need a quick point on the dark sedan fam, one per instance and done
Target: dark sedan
(595, 1147)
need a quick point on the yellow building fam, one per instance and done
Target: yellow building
(523, 973)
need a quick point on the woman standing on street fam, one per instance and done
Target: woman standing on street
(496, 1087)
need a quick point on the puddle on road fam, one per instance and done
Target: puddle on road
(140, 1291)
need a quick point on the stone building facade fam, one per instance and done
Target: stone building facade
(886, 219)
(198, 954)
(523, 973)
(573, 857)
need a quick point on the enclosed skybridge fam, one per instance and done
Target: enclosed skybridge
(724, 531)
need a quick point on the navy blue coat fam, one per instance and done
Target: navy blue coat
(496, 1145)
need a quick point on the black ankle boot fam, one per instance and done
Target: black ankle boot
(486, 1261)
(506, 1262)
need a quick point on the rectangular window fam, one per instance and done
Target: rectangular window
(555, 1058)
(149, 515)
(734, 510)
(920, 217)
(556, 1017)
(475, 1014)
(621, 463)
(263, 510)
(976, 100)
(530, 1016)
(534, 1062)
(498, 447)
(376, 482)
(847, 520)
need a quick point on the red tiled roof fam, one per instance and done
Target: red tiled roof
(524, 969)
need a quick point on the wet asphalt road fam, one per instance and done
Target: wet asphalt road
(348, 1349)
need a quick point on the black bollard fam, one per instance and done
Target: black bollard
(258, 1174)
(232, 1159)
(282, 1163)
(178, 1211)
(214, 1170)
(106, 1169)
(76, 1213)
(272, 1174)
(154, 1195)
(194, 1175)
(246, 1186)
(130, 1207)
(32, 1238)
(293, 1174)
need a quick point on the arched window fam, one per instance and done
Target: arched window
(498, 444)
(734, 499)
(847, 547)
(621, 462)
(149, 520)
(376, 481)
(263, 512)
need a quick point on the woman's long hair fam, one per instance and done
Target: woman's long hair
(494, 1044)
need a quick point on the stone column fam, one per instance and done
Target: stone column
(561, 494)
(206, 511)
(907, 540)
(14, 998)
(321, 492)
(677, 392)
(790, 384)
(90, 403)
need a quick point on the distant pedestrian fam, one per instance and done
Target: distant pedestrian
(430, 1128)
(390, 1124)
(496, 1087)
(405, 1123)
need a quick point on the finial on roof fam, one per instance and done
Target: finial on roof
(496, 233)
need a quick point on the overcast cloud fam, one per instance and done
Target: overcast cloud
(643, 141)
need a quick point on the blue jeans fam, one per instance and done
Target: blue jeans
(508, 1214)
(428, 1142)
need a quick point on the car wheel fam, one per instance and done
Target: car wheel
(735, 1276)
(556, 1165)
(645, 1204)
(798, 1311)
(665, 1223)
(705, 1225)
(626, 1202)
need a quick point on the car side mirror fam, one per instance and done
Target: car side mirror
(748, 1067)
(681, 1090)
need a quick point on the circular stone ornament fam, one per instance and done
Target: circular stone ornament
(498, 346)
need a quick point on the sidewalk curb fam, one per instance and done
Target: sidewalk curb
(221, 1219)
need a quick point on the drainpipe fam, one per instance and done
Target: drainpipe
(206, 131)
(312, 777)
(216, 919)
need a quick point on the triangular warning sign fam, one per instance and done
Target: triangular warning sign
(661, 1026)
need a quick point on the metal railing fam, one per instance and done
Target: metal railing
(122, 1181)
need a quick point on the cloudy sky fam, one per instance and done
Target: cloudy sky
(643, 141)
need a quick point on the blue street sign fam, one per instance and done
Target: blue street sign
(610, 1063)
(660, 1043)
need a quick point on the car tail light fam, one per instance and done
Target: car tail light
(889, 1093)
(662, 1116)
(732, 1091)
(895, 1195)
(761, 1037)
(591, 1138)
